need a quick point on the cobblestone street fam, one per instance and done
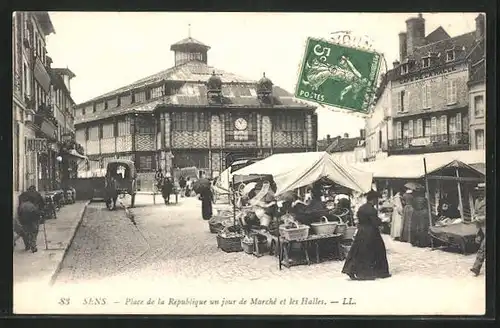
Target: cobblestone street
(172, 246)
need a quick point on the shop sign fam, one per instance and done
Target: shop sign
(36, 145)
(421, 142)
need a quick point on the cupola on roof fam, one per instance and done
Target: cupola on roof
(189, 44)
(214, 82)
(264, 83)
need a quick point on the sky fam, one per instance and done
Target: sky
(108, 50)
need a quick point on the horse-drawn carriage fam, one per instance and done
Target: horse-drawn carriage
(120, 180)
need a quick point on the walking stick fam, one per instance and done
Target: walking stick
(45, 236)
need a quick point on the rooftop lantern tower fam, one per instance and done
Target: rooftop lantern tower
(189, 49)
(214, 89)
(265, 90)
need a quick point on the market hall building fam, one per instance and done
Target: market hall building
(192, 115)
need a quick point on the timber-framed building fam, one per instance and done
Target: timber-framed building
(192, 115)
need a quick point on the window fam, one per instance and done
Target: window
(146, 163)
(406, 130)
(420, 132)
(426, 96)
(479, 139)
(399, 130)
(442, 125)
(380, 139)
(145, 127)
(434, 126)
(290, 123)
(426, 62)
(139, 97)
(123, 127)
(452, 125)
(190, 121)
(451, 92)
(427, 128)
(478, 106)
(157, 92)
(458, 123)
(450, 55)
(411, 127)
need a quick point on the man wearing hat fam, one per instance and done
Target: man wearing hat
(480, 219)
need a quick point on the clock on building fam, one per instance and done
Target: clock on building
(240, 124)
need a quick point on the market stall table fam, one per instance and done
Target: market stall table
(285, 246)
(461, 235)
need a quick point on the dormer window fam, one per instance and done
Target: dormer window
(450, 55)
(426, 62)
(404, 69)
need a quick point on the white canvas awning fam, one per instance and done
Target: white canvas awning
(294, 170)
(412, 166)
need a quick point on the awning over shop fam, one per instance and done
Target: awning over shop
(412, 167)
(294, 170)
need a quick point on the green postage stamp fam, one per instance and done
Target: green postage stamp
(338, 75)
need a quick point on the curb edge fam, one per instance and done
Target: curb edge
(59, 265)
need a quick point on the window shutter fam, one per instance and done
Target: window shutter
(458, 123)
(410, 129)
(399, 131)
(433, 126)
(454, 90)
(407, 101)
(398, 102)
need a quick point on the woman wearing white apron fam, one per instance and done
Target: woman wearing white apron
(397, 217)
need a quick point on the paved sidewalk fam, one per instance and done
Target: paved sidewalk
(40, 267)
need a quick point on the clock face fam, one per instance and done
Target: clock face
(240, 124)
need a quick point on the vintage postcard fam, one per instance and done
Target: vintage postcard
(241, 163)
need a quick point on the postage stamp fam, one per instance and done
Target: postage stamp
(338, 75)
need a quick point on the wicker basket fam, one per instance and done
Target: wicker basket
(349, 233)
(301, 231)
(249, 247)
(325, 227)
(230, 244)
(340, 228)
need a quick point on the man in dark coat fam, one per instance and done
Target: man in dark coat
(31, 205)
(167, 189)
(367, 258)
(182, 185)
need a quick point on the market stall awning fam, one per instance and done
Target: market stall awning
(412, 167)
(294, 170)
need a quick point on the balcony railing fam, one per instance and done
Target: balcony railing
(442, 141)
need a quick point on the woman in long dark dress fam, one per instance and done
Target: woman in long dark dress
(206, 202)
(420, 221)
(367, 258)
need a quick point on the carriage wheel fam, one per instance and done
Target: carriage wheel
(132, 200)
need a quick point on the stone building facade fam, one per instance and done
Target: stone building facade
(42, 106)
(429, 90)
(192, 115)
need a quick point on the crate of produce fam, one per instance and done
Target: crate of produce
(229, 239)
(324, 227)
(294, 232)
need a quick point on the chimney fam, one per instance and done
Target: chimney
(362, 134)
(346, 135)
(328, 138)
(480, 26)
(415, 33)
(402, 46)
(395, 63)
